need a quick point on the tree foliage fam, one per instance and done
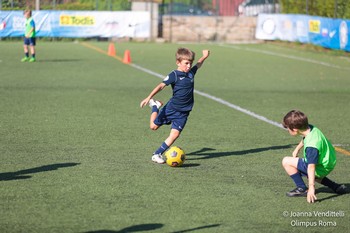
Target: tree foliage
(325, 8)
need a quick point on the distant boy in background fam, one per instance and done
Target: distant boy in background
(319, 158)
(29, 37)
(178, 108)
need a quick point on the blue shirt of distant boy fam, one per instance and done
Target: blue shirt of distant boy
(183, 87)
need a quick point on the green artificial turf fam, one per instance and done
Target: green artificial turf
(75, 146)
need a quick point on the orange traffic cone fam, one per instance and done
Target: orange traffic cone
(111, 50)
(127, 58)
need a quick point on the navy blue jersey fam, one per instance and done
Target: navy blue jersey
(183, 86)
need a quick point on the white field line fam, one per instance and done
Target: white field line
(238, 108)
(287, 56)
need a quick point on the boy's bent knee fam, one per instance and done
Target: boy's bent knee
(175, 133)
(285, 161)
(290, 161)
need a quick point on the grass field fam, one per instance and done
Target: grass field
(75, 146)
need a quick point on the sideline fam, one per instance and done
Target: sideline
(90, 46)
(216, 99)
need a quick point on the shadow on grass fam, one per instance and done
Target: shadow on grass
(150, 227)
(197, 228)
(187, 165)
(135, 228)
(58, 60)
(22, 174)
(207, 153)
(328, 190)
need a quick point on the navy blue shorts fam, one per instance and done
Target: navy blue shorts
(29, 41)
(169, 116)
(302, 167)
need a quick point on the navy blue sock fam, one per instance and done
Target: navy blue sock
(162, 148)
(33, 55)
(27, 54)
(298, 180)
(329, 183)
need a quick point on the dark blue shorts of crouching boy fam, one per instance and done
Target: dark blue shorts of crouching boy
(169, 116)
(302, 167)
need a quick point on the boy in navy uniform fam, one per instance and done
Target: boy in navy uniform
(178, 108)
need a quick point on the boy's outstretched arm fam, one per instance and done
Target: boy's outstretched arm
(201, 60)
(157, 89)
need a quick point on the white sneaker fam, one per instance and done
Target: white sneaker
(153, 102)
(157, 158)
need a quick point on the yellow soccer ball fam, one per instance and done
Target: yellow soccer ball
(175, 156)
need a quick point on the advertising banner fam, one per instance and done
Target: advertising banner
(325, 32)
(78, 24)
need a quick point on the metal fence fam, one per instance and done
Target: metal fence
(219, 7)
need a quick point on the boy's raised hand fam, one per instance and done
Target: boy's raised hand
(206, 53)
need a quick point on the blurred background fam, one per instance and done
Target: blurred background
(224, 21)
(326, 8)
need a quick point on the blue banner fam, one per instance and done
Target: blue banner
(78, 24)
(325, 32)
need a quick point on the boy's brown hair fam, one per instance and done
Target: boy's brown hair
(28, 11)
(295, 119)
(184, 54)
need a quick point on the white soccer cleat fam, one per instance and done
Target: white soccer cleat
(157, 158)
(153, 102)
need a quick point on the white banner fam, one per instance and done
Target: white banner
(325, 32)
(78, 24)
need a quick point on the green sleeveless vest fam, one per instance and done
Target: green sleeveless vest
(29, 27)
(327, 156)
